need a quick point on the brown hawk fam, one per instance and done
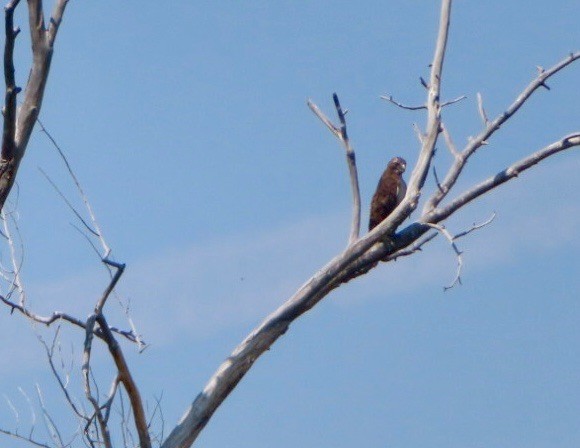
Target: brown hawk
(390, 192)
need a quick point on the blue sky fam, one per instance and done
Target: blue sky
(188, 126)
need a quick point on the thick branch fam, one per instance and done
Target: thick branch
(127, 379)
(42, 48)
(9, 111)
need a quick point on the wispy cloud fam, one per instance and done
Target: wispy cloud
(198, 291)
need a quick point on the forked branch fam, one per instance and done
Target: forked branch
(18, 126)
(342, 135)
(491, 127)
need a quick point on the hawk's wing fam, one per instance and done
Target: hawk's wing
(386, 198)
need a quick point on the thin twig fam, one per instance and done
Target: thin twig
(97, 231)
(475, 227)
(16, 264)
(67, 202)
(13, 409)
(24, 438)
(436, 177)
(456, 100)
(441, 229)
(415, 247)
(49, 423)
(449, 141)
(419, 133)
(390, 99)
(59, 315)
(63, 387)
(481, 110)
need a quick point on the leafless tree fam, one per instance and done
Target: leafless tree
(385, 243)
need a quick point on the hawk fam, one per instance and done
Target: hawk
(390, 192)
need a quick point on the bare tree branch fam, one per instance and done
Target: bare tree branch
(342, 135)
(63, 387)
(449, 142)
(475, 227)
(16, 264)
(128, 382)
(24, 438)
(97, 229)
(410, 250)
(59, 315)
(120, 267)
(503, 176)
(491, 128)
(361, 255)
(441, 229)
(481, 110)
(9, 111)
(67, 202)
(42, 49)
(421, 169)
(390, 99)
(49, 424)
(419, 133)
(331, 127)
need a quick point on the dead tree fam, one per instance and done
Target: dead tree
(386, 242)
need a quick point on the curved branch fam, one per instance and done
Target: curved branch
(127, 379)
(342, 135)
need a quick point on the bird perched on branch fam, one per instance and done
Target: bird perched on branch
(390, 192)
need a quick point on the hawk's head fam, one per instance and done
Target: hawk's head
(397, 165)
